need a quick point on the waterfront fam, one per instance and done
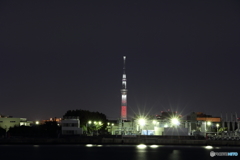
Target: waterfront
(113, 140)
(113, 152)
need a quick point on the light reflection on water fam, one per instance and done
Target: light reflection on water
(154, 146)
(209, 147)
(89, 145)
(91, 151)
(141, 146)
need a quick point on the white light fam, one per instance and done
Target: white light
(141, 146)
(165, 125)
(175, 121)
(208, 147)
(37, 122)
(142, 121)
(153, 146)
(154, 122)
(89, 145)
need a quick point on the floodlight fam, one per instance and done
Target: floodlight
(154, 121)
(165, 125)
(175, 121)
(142, 121)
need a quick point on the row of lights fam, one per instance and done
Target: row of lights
(209, 123)
(175, 121)
(90, 122)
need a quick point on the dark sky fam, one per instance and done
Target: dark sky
(63, 55)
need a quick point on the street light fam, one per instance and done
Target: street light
(87, 125)
(110, 125)
(142, 123)
(217, 127)
(209, 124)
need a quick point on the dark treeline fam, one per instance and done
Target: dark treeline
(2, 132)
(85, 116)
(49, 129)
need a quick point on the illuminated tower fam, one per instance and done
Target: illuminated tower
(124, 92)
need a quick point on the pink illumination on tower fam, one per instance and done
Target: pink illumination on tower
(124, 92)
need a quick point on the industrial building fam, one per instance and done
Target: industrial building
(71, 126)
(8, 121)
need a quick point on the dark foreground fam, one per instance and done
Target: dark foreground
(113, 152)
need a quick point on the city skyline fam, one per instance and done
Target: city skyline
(64, 55)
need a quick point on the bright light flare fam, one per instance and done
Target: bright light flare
(175, 121)
(142, 121)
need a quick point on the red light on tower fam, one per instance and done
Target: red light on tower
(124, 112)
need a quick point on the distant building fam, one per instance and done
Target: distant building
(55, 119)
(7, 122)
(202, 122)
(168, 115)
(71, 126)
(149, 126)
(199, 116)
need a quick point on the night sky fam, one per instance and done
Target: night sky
(65, 55)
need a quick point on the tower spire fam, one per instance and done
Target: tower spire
(124, 62)
(124, 92)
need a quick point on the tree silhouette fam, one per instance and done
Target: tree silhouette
(85, 116)
(2, 132)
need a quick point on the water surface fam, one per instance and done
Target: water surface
(112, 152)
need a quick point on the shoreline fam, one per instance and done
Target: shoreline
(114, 141)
